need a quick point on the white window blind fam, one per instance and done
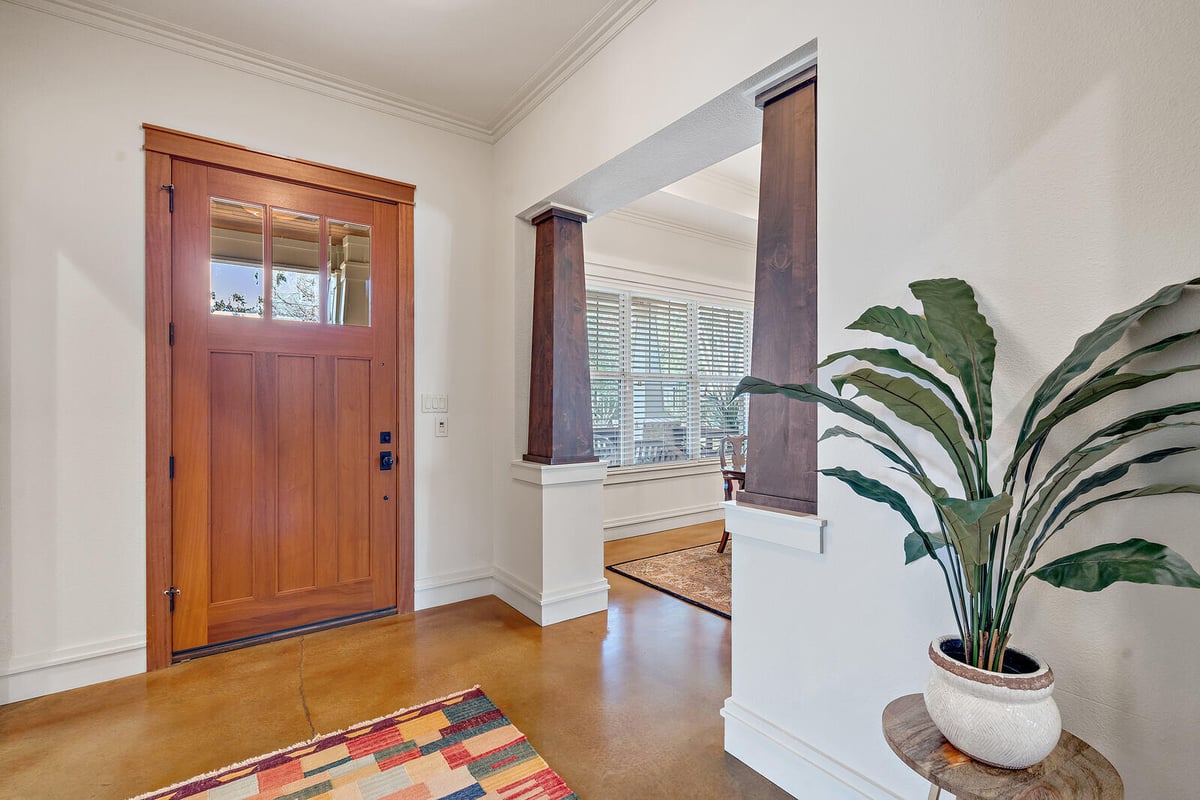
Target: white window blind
(663, 375)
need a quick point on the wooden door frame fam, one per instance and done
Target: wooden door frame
(161, 146)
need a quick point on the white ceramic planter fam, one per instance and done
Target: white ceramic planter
(1006, 720)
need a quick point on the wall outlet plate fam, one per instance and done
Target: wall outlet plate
(441, 426)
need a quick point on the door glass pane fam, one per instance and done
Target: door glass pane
(349, 273)
(236, 264)
(295, 266)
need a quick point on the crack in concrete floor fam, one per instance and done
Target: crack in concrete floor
(303, 698)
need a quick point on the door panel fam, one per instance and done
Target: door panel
(296, 515)
(353, 468)
(284, 374)
(231, 476)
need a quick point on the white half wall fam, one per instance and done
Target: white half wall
(72, 382)
(1045, 152)
(652, 498)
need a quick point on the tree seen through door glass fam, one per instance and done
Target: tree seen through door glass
(349, 274)
(236, 263)
(295, 266)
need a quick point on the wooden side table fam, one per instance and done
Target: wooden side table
(1074, 771)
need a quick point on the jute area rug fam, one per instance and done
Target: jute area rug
(458, 748)
(697, 575)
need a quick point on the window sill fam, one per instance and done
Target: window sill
(658, 472)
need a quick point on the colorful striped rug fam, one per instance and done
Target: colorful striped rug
(458, 748)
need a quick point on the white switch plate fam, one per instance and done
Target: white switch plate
(441, 427)
(435, 404)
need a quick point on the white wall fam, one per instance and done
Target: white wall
(72, 445)
(1047, 153)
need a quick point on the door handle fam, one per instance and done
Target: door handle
(385, 460)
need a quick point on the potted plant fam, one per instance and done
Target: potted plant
(990, 700)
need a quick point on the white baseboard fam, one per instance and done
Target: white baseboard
(793, 764)
(66, 668)
(665, 520)
(453, 587)
(548, 608)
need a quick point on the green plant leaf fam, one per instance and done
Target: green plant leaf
(966, 338)
(971, 523)
(919, 406)
(1087, 349)
(1152, 490)
(1088, 395)
(1161, 344)
(1135, 561)
(1078, 463)
(872, 489)
(1143, 419)
(906, 327)
(1111, 475)
(809, 393)
(919, 544)
(891, 455)
(892, 359)
(1074, 465)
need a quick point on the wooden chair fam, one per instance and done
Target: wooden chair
(733, 468)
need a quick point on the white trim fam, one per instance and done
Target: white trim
(642, 524)
(674, 226)
(791, 763)
(725, 182)
(453, 587)
(645, 280)
(659, 472)
(537, 211)
(775, 526)
(784, 71)
(69, 655)
(548, 608)
(557, 474)
(569, 59)
(66, 668)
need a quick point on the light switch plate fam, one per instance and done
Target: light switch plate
(434, 404)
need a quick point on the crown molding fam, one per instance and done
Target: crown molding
(673, 226)
(741, 187)
(599, 30)
(143, 28)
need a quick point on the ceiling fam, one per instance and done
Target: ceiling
(478, 65)
(719, 202)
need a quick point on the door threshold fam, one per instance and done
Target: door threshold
(275, 636)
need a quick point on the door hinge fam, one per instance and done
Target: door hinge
(170, 187)
(171, 593)
(171, 467)
(170, 334)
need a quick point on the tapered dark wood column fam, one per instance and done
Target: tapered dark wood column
(781, 457)
(560, 385)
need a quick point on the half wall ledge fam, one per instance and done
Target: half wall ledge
(776, 526)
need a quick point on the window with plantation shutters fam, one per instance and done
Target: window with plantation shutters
(663, 375)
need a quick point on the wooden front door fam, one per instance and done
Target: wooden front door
(284, 405)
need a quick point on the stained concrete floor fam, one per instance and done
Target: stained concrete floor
(623, 704)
